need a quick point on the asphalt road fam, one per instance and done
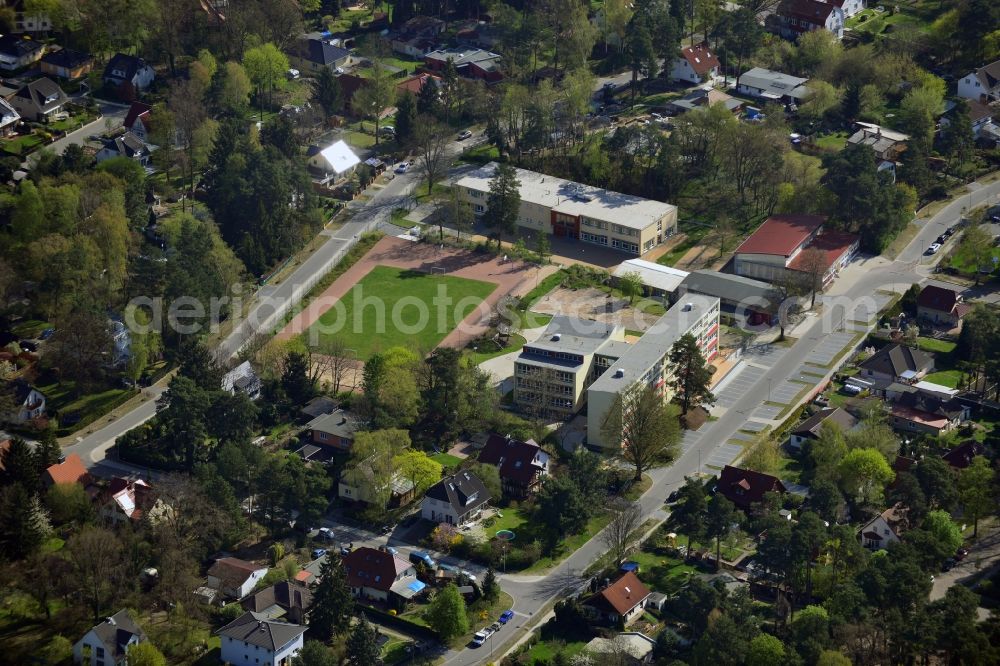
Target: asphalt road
(112, 116)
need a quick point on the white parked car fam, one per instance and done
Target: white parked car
(934, 248)
(481, 637)
(402, 167)
(464, 134)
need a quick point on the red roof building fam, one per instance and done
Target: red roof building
(941, 306)
(415, 83)
(521, 465)
(794, 17)
(745, 487)
(779, 245)
(695, 64)
(71, 470)
(137, 120)
(623, 600)
(782, 235)
(376, 574)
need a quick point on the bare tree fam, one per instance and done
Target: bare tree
(813, 267)
(97, 558)
(783, 299)
(625, 519)
(334, 359)
(431, 141)
(643, 429)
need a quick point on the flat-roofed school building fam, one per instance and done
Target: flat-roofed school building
(567, 209)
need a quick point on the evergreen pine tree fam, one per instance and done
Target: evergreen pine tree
(23, 522)
(692, 375)
(362, 648)
(429, 99)
(332, 604)
(21, 465)
(406, 118)
(327, 92)
(49, 451)
(491, 590)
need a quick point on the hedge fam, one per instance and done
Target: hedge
(399, 622)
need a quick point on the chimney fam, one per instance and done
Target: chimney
(628, 592)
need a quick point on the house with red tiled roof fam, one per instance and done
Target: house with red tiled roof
(127, 500)
(235, 578)
(961, 456)
(695, 64)
(137, 120)
(941, 305)
(521, 465)
(70, 470)
(623, 600)
(381, 576)
(745, 487)
(777, 246)
(795, 17)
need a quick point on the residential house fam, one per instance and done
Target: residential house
(137, 120)
(746, 299)
(657, 279)
(70, 470)
(335, 429)
(695, 64)
(470, 63)
(38, 99)
(887, 144)
(850, 7)
(622, 601)
(310, 56)
(960, 457)
(417, 36)
(457, 499)
(982, 85)
(28, 19)
(9, 118)
(745, 487)
(795, 17)
(705, 96)
(521, 465)
(128, 75)
(358, 485)
(772, 86)
(921, 412)
(288, 599)
(67, 64)
(622, 368)
(811, 428)
(127, 500)
(235, 578)
(243, 379)
(107, 643)
(318, 406)
(415, 83)
(28, 403)
(380, 576)
(940, 305)
(567, 209)
(18, 52)
(334, 163)
(885, 528)
(126, 145)
(896, 362)
(777, 248)
(980, 115)
(255, 640)
(630, 648)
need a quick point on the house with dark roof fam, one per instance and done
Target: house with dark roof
(233, 577)
(521, 465)
(137, 120)
(705, 96)
(961, 456)
(287, 599)
(918, 411)
(747, 299)
(795, 17)
(128, 75)
(897, 363)
(9, 118)
(778, 246)
(335, 430)
(982, 85)
(811, 427)
(70, 470)
(67, 64)
(885, 528)
(622, 601)
(253, 639)
(695, 64)
(242, 379)
(745, 487)
(38, 99)
(311, 55)
(888, 144)
(772, 86)
(27, 403)
(107, 643)
(457, 499)
(18, 52)
(939, 305)
(126, 145)
(381, 576)
(417, 36)
(130, 501)
(470, 63)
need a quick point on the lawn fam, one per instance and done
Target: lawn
(692, 238)
(23, 144)
(542, 288)
(446, 459)
(833, 142)
(554, 639)
(965, 264)
(662, 573)
(89, 407)
(936, 346)
(359, 139)
(949, 378)
(395, 307)
(490, 351)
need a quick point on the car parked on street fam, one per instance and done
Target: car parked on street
(402, 167)
(933, 249)
(464, 134)
(318, 553)
(506, 616)
(325, 534)
(481, 636)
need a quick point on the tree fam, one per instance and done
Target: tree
(957, 137)
(372, 98)
(690, 511)
(641, 53)
(832, 658)
(719, 520)
(68, 503)
(813, 265)
(406, 118)
(490, 476)
(491, 589)
(371, 464)
(641, 429)
(332, 605)
(47, 452)
(975, 489)
(419, 469)
(543, 247)
(944, 530)
(296, 379)
(782, 299)
(938, 483)
(266, 66)
(78, 348)
(231, 89)
(625, 519)
(144, 654)
(446, 613)
(327, 92)
(456, 213)
(315, 653)
(429, 98)
(431, 140)
(691, 375)
(765, 650)
(631, 285)
(21, 466)
(503, 203)
(562, 508)
(977, 245)
(24, 525)
(864, 474)
(764, 455)
(362, 644)
(98, 566)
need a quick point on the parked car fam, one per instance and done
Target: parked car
(346, 549)
(389, 549)
(961, 554)
(480, 636)
(948, 564)
(464, 134)
(388, 130)
(325, 533)
(28, 345)
(506, 616)
(46, 334)
(402, 167)
(495, 627)
(418, 557)
(318, 553)
(672, 497)
(933, 248)
(468, 574)
(941, 239)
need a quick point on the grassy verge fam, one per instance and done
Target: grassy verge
(446, 459)
(515, 344)
(936, 346)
